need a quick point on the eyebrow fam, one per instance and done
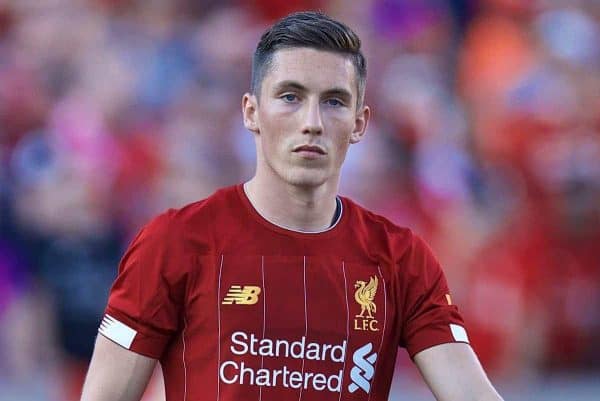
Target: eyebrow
(337, 91)
(290, 85)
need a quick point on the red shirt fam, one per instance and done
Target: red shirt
(237, 308)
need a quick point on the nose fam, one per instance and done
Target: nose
(313, 124)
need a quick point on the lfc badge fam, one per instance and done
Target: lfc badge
(364, 296)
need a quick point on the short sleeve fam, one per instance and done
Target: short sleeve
(145, 302)
(429, 316)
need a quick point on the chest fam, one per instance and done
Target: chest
(301, 296)
(287, 299)
(283, 323)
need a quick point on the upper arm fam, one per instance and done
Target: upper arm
(146, 301)
(142, 315)
(429, 316)
(116, 374)
(453, 372)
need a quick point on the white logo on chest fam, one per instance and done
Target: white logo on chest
(363, 370)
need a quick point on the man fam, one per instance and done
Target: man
(278, 289)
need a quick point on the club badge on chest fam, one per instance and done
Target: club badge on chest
(364, 297)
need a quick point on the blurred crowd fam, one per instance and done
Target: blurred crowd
(485, 139)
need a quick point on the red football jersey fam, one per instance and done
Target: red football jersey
(237, 308)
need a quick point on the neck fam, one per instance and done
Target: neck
(309, 209)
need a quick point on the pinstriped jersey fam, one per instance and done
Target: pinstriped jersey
(237, 308)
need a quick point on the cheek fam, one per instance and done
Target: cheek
(272, 142)
(342, 130)
(277, 129)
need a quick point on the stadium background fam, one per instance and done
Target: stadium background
(485, 139)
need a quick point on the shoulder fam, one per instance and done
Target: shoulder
(195, 212)
(192, 222)
(378, 230)
(367, 220)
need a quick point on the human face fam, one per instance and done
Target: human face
(307, 116)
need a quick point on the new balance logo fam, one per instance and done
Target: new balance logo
(363, 370)
(248, 295)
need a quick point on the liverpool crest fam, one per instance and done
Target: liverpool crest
(364, 296)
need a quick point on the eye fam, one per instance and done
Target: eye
(334, 102)
(289, 98)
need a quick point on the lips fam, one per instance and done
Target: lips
(310, 148)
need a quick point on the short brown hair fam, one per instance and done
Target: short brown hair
(313, 30)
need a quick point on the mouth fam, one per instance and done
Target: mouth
(310, 148)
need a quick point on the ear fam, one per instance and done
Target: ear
(250, 112)
(360, 124)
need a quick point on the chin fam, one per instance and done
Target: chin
(305, 177)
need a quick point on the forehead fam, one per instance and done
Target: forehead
(317, 70)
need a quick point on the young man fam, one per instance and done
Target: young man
(278, 289)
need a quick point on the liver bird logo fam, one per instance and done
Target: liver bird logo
(364, 295)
